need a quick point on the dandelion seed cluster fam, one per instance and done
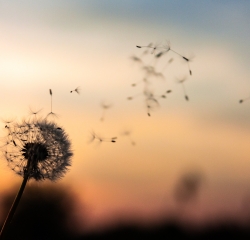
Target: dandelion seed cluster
(41, 143)
(150, 72)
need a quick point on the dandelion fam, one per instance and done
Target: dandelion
(35, 149)
(39, 147)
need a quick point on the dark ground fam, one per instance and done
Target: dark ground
(43, 214)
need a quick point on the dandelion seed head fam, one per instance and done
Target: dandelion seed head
(41, 143)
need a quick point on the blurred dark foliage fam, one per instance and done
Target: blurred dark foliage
(188, 187)
(44, 213)
(172, 230)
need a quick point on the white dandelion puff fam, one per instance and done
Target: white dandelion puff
(38, 148)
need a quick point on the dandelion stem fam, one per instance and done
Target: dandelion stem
(177, 53)
(15, 204)
(51, 103)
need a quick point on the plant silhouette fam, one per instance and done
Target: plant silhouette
(45, 212)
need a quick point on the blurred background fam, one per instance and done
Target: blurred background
(188, 162)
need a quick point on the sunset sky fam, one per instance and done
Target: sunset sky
(62, 45)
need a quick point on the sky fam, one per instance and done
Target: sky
(62, 45)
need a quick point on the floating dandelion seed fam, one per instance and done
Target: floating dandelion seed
(127, 133)
(183, 57)
(144, 80)
(104, 107)
(7, 122)
(160, 54)
(167, 48)
(51, 112)
(153, 46)
(77, 90)
(141, 93)
(152, 99)
(147, 47)
(150, 71)
(168, 63)
(181, 81)
(151, 103)
(188, 60)
(164, 95)
(244, 99)
(35, 149)
(170, 60)
(94, 137)
(34, 113)
(136, 59)
(134, 96)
